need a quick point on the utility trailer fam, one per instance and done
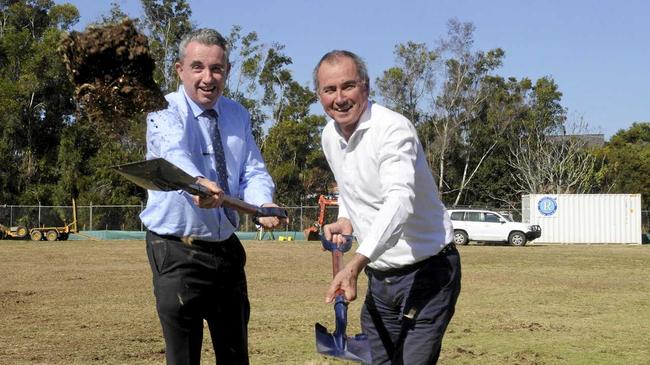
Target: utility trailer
(56, 233)
(19, 232)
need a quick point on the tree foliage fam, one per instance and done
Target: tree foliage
(627, 163)
(36, 103)
(488, 138)
(166, 22)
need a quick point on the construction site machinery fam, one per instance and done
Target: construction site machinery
(19, 232)
(56, 233)
(312, 233)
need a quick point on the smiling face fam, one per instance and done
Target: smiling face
(203, 71)
(343, 94)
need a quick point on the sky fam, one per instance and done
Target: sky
(598, 52)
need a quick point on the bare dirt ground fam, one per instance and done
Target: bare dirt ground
(90, 302)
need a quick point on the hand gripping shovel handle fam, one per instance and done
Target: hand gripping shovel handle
(239, 205)
(338, 344)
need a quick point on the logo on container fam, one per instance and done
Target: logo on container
(547, 206)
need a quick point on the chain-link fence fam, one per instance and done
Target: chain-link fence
(126, 217)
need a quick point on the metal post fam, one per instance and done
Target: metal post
(39, 213)
(91, 215)
(11, 215)
(141, 209)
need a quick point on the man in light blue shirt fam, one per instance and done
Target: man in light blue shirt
(196, 259)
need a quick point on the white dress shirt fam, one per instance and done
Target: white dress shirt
(387, 190)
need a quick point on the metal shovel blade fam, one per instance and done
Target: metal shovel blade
(339, 345)
(161, 175)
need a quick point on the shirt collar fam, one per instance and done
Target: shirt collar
(364, 122)
(196, 109)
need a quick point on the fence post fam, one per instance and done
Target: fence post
(91, 215)
(39, 213)
(11, 216)
(141, 209)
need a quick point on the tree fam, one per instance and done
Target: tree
(627, 162)
(166, 22)
(295, 160)
(35, 97)
(545, 158)
(404, 86)
(460, 103)
(504, 107)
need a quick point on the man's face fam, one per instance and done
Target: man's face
(343, 95)
(203, 71)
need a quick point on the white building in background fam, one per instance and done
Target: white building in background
(584, 218)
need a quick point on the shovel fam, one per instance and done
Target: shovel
(338, 344)
(161, 175)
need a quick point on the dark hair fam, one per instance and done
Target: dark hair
(209, 37)
(332, 56)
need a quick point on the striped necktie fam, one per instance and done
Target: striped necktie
(220, 163)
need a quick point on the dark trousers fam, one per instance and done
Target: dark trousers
(406, 311)
(193, 282)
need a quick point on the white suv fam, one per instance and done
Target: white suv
(489, 226)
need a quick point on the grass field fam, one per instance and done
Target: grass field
(91, 302)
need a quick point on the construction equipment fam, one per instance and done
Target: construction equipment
(56, 233)
(19, 232)
(338, 344)
(313, 233)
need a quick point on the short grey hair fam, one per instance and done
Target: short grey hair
(206, 36)
(333, 56)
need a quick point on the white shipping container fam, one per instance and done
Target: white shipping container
(584, 218)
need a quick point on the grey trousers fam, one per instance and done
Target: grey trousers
(406, 311)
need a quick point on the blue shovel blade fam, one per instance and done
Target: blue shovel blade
(354, 348)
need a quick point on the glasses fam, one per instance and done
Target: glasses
(345, 88)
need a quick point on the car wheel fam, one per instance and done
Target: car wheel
(517, 239)
(460, 238)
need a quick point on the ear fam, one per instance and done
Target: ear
(228, 67)
(179, 68)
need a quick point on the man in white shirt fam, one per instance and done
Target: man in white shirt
(389, 200)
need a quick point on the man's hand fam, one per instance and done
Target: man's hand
(214, 200)
(335, 232)
(346, 279)
(272, 222)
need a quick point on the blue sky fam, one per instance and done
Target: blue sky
(598, 52)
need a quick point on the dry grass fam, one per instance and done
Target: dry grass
(82, 302)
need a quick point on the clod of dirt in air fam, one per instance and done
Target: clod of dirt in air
(112, 72)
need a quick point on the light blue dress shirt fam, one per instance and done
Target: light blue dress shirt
(180, 135)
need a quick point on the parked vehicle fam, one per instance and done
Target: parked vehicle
(60, 233)
(489, 226)
(19, 232)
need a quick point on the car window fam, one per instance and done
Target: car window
(457, 216)
(491, 218)
(474, 216)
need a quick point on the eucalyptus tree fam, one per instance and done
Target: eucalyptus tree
(458, 107)
(35, 98)
(409, 86)
(166, 21)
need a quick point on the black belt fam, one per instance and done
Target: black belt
(450, 247)
(212, 246)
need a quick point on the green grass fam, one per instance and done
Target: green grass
(85, 302)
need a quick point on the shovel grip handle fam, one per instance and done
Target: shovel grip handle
(239, 205)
